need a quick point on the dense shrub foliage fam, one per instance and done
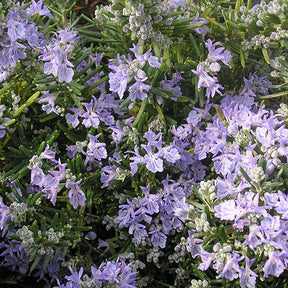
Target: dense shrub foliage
(146, 146)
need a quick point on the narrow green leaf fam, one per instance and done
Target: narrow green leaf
(28, 153)
(249, 4)
(140, 112)
(8, 123)
(19, 174)
(198, 272)
(55, 134)
(46, 262)
(242, 56)
(161, 92)
(245, 175)
(48, 118)
(77, 89)
(47, 87)
(9, 197)
(15, 152)
(91, 74)
(270, 96)
(92, 87)
(237, 6)
(16, 168)
(31, 100)
(71, 237)
(17, 195)
(35, 198)
(195, 45)
(72, 136)
(82, 228)
(35, 263)
(6, 87)
(265, 55)
(156, 48)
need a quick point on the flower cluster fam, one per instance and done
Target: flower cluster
(52, 183)
(247, 146)
(127, 69)
(141, 148)
(211, 66)
(112, 273)
(141, 212)
(19, 33)
(55, 56)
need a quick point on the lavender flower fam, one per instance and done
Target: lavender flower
(3, 214)
(210, 65)
(231, 269)
(125, 214)
(73, 118)
(16, 28)
(124, 69)
(119, 78)
(275, 264)
(75, 194)
(150, 201)
(206, 81)
(56, 56)
(115, 273)
(157, 238)
(58, 64)
(49, 183)
(217, 54)
(137, 89)
(37, 7)
(200, 30)
(173, 84)
(96, 150)
(49, 102)
(14, 256)
(139, 232)
(247, 276)
(153, 161)
(91, 119)
(75, 278)
(18, 35)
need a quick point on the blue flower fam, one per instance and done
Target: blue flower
(276, 264)
(206, 81)
(56, 56)
(75, 278)
(217, 54)
(137, 89)
(49, 102)
(139, 232)
(38, 8)
(153, 161)
(75, 194)
(3, 214)
(227, 210)
(157, 238)
(150, 201)
(246, 275)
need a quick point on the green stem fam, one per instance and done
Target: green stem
(9, 122)
(249, 4)
(6, 88)
(274, 95)
(158, 108)
(142, 108)
(31, 100)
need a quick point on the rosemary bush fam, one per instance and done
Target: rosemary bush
(146, 146)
